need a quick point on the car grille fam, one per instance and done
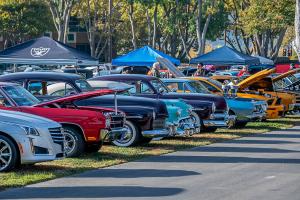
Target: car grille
(117, 121)
(258, 109)
(57, 135)
(159, 123)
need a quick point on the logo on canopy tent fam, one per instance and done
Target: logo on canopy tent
(39, 52)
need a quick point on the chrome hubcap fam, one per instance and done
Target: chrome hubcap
(70, 142)
(126, 137)
(5, 154)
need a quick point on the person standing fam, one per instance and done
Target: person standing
(200, 70)
(243, 72)
(154, 71)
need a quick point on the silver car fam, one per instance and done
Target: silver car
(28, 139)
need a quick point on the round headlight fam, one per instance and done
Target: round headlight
(213, 107)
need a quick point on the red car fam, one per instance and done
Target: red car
(84, 127)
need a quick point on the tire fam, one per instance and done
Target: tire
(240, 124)
(74, 142)
(131, 138)
(196, 119)
(9, 156)
(93, 148)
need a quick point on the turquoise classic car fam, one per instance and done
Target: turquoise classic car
(181, 119)
(244, 109)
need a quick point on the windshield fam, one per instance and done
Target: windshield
(159, 86)
(20, 96)
(216, 83)
(293, 78)
(199, 88)
(84, 85)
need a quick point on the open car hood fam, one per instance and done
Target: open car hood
(284, 75)
(169, 65)
(77, 97)
(254, 78)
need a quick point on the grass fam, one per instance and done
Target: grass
(111, 155)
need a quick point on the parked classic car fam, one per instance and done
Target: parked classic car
(181, 118)
(275, 106)
(245, 110)
(145, 118)
(28, 139)
(83, 127)
(262, 82)
(211, 109)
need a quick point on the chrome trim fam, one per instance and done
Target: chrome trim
(156, 133)
(226, 122)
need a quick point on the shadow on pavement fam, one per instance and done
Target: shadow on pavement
(137, 173)
(241, 149)
(89, 192)
(219, 159)
(280, 134)
(241, 141)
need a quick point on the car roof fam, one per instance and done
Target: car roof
(54, 76)
(176, 80)
(126, 76)
(8, 84)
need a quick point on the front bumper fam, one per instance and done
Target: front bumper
(157, 133)
(113, 133)
(220, 121)
(256, 116)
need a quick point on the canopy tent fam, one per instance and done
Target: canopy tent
(225, 56)
(264, 61)
(43, 51)
(144, 56)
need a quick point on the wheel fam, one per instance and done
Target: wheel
(8, 154)
(74, 143)
(196, 119)
(130, 138)
(240, 124)
(93, 148)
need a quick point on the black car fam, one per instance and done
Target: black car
(212, 109)
(145, 117)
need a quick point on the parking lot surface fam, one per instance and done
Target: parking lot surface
(265, 166)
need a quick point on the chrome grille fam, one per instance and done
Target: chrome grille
(57, 135)
(159, 123)
(117, 121)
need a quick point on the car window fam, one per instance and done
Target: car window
(20, 95)
(210, 87)
(4, 101)
(172, 86)
(51, 88)
(159, 86)
(145, 88)
(84, 85)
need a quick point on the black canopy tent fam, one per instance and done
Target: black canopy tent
(45, 51)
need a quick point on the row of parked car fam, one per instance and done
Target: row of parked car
(50, 115)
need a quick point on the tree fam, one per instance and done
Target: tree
(297, 29)
(61, 11)
(18, 21)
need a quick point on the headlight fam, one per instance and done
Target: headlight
(30, 131)
(107, 122)
(213, 107)
(178, 112)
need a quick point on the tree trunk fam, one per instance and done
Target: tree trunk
(297, 29)
(148, 26)
(154, 27)
(130, 13)
(198, 26)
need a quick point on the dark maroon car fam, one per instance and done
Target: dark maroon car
(147, 86)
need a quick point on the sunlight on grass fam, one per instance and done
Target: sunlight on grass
(111, 155)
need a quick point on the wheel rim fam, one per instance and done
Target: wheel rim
(195, 119)
(126, 137)
(70, 142)
(5, 154)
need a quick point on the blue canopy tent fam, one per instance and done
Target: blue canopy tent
(43, 51)
(144, 56)
(225, 56)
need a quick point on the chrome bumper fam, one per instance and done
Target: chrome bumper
(186, 127)
(256, 116)
(220, 122)
(156, 133)
(113, 133)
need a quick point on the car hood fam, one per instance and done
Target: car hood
(125, 101)
(254, 78)
(284, 75)
(77, 97)
(25, 119)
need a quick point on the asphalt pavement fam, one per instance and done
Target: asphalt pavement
(264, 166)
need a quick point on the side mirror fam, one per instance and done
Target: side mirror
(161, 90)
